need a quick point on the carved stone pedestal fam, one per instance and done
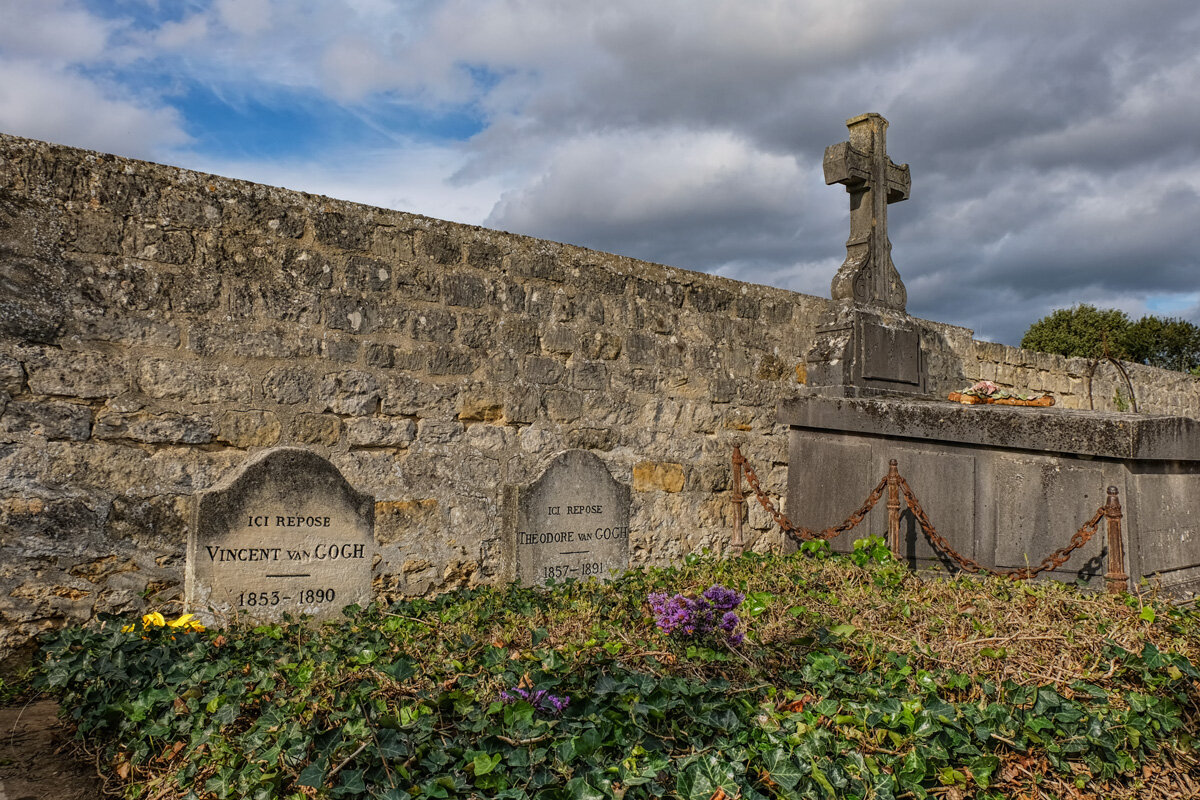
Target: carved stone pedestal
(864, 351)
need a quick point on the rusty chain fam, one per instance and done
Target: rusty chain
(802, 534)
(1048, 564)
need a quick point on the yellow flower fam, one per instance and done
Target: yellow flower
(128, 628)
(156, 619)
(187, 622)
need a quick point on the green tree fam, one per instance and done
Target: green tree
(1091, 332)
(1084, 331)
(1168, 343)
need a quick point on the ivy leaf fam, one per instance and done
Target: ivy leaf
(401, 669)
(580, 789)
(483, 763)
(312, 776)
(704, 777)
(782, 769)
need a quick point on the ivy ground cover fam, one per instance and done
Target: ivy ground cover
(837, 677)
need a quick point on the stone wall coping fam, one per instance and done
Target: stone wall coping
(1056, 430)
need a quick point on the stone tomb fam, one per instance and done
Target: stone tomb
(286, 533)
(1005, 485)
(572, 522)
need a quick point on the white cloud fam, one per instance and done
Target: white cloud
(57, 31)
(52, 104)
(412, 177)
(179, 35)
(245, 17)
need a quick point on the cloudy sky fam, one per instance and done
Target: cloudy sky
(1054, 146)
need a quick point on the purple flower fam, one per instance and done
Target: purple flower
(542, 700)
(698, 617)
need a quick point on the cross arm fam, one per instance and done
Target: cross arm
(845, 165)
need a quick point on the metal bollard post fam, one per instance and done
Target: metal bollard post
(1116, 578)
(737, 545)
(893, 509)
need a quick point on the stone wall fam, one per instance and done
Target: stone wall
(158, 326)
(1094, 384)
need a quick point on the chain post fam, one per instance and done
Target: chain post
(893, 509)
(1116, 578)
(736, 546)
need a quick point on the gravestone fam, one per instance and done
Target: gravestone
(866, 343)
(572, 522)
(286, 533)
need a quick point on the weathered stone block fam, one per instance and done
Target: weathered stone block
(431, 325)
(350, 313)
(477, 331)
(747, 307)
(505, 294)
(560, 339)
(151, 242)
(341, 348)
(448, 361)
(38, 527)
(480, 408)
(439, 431)
(343, 230)
(597, 278)
(659, 292)
(591, 439)
(170, 379)
(709, 298)
(368, 274)
(156, 524)
(76, 374)
(48, 419)
(318, 429)
(193, 293)
(416, 283)
(165, 428)
(439, 246)
(541, 264)
(262, 301)
(539, 369)
(590, 375)
(518, 335)
(380, 432)
(135, 331)
(464, 289)
(289, 385)
(249, 428)
(563, 405)
(12, 375)
(486, 255)
(522, 404)
(662, 476)
(643, 348)
(395, 519)
(351, 392)
(307, 269)
(392, 244)
(89, 231)
(601, 345)
(270, 342)
(379, 355)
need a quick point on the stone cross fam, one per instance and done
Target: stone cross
(868, 276)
